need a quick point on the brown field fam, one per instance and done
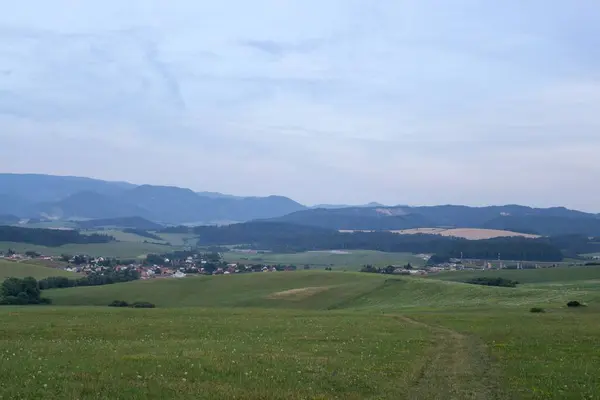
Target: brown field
(466, 233)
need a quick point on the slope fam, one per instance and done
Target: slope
(317, 290)
(23, 269)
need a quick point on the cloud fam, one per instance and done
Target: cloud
(342, 101)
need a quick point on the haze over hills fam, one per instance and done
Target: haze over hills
(75, 198)
(57, 197)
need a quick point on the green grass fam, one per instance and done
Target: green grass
(309, 335)
(112, 249)
(23, 269)
(120, 235)
(319, 290)
(544, 275)
(352, 261)
(101, 353)
(541, 356)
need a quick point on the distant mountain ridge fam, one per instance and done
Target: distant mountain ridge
(542, 221)
(58, 197)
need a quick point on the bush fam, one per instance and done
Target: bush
(574, 303)
(119, 303)
(142, 304)
(486, 281)
(537, 310)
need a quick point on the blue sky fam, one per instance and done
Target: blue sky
(340, 101)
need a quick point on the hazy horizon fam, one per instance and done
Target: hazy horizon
(347, 102)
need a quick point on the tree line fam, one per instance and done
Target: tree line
(289, 238)
(93, 279)
(49, 237)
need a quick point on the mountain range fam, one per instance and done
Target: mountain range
(31, 196)
(58, 197)
(543, 221)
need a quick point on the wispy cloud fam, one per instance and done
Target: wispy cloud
(338, 101)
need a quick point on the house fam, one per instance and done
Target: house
(179, 274)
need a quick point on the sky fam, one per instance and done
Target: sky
(330, 101)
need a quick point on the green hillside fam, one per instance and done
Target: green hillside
(23, 269)
(350, 260)
(316, 290)
(543, 275)
(123, 249)
(309, 335)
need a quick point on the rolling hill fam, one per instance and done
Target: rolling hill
(15, 269)
(539, 221)
(318, 290)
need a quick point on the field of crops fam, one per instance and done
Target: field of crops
(309, 335)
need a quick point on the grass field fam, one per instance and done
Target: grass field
(543, 275)
(113, 249)
(351, 260)
(23, 269)
(309, 335)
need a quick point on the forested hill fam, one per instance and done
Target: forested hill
(541, 221)
(282, 237)
(49, 237)
(58, 197)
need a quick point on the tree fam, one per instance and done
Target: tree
(21, 291)
(65, 257)
(408, 266)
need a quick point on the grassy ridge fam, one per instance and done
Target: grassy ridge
(22, 269)
(318, 290)
(544, 275)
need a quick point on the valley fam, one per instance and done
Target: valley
(133, 302)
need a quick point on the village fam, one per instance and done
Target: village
(171, 265)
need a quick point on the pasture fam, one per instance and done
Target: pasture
(23, 269)
(309, 335)
(125, 249)
(351, 260)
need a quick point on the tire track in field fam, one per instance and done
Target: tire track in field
(458, 367)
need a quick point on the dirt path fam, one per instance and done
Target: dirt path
(458, 367)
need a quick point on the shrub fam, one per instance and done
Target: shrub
(574, 303)
(537, 310)
(142, 304)
(486, 281)
(119, 303)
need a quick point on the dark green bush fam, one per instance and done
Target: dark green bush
(574, 303)
(485, 281)
(119, 303)
(537, 310)
(142, 304)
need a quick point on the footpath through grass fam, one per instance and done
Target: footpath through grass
(308, 335)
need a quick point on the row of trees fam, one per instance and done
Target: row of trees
(390, 269)
(93, 279)
(289, 238)
(49, 237)
(21, 291)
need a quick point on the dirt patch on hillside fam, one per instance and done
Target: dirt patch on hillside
(297, 294)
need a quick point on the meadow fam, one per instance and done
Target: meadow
(118, 249)
(23, 269)
(351, 260)
(310, 335)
